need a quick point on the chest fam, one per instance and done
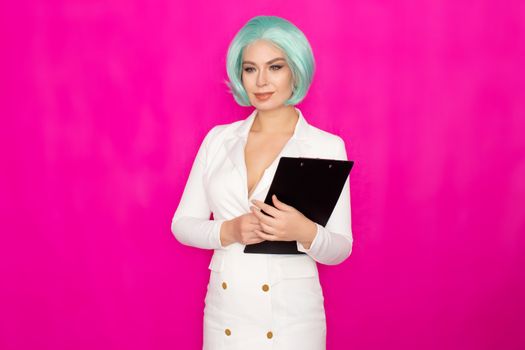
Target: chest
(259, 153)
(230, 163)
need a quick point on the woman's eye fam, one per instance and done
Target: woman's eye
(272, 67)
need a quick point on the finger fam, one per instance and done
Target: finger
(262, 218)
(254, 226)
(253, 218)
(268, 229)
(280, 205)
(266, 236)
(267, 208)
(254, 240)
(249, 235)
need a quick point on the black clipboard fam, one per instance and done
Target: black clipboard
(312, 186)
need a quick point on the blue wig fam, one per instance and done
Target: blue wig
(287, 37)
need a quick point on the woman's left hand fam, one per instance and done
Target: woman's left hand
(285, 223)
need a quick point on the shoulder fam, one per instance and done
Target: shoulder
(220, 132)
(326, 143)
(319, 135)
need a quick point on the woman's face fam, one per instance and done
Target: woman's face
(265, 70)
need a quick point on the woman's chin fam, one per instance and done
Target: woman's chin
(266, 105)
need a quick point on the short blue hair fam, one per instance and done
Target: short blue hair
(287, 37)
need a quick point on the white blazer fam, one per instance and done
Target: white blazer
(259, 301)
(208, 190)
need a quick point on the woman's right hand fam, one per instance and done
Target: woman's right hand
(241, 229)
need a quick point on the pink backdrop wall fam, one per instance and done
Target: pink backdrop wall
(103, 106)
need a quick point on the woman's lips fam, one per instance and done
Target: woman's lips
(263, 97)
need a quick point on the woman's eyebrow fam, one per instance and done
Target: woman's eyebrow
(269, 62)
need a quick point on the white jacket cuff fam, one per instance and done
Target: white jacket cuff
(329, 248)
(199, 233)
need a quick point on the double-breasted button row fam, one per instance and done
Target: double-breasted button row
(228, 332)
(264, 287)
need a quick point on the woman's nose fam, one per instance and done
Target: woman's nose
(261, 78)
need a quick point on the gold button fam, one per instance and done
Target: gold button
(224, 285)
(265, 287)
(269, 335)
(228, 332)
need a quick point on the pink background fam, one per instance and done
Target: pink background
(104, 103)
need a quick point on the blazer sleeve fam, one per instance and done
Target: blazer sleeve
(191, 224)
(332, 244)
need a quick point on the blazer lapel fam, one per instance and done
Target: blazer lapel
(235, 146)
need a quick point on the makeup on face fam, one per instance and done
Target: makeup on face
(263, 97)
(266, 75)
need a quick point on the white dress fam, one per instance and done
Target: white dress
(259, 301)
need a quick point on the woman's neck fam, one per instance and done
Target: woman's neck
(276, 121)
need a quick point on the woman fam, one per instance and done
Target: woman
(262, 301)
